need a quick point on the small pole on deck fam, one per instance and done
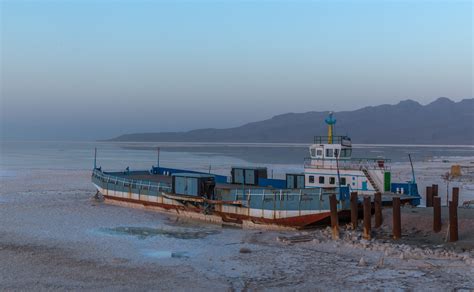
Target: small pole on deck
(436, 214)
(158, 157)
(354, 210)
(334, 217)
(367, 218)
(95, 157)
(378, 209)
(397, 228)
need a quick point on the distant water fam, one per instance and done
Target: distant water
(21, 155)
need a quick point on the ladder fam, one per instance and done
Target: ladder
(370, 179)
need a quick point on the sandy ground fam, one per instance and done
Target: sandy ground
(55, 236)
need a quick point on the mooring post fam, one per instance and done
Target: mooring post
(429, 197)
(436, 214)
(334, 217)
(378, 209)
(354, 210)
(435, 190)
(397, 222)
(455, 196)
(453, 222)
(367, 218)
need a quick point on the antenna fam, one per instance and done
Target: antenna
(158, 157)
(95, 157)
(412, 170)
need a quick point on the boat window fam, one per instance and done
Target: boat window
(313, 152)
(346, 153)
(321, 179)
(329, 152)
(332, 180)
(311, 179)
(336, 152)
(343, 181)
(319, 152)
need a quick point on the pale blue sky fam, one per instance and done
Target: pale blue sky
(96, 69)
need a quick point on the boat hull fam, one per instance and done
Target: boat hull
(222, 214)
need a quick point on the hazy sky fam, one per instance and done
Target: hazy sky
(95, 69)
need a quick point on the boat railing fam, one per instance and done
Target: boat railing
(343, 140)
(127, 182)
(320, 194)
(348, 164)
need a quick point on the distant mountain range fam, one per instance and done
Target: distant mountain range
(408, 122)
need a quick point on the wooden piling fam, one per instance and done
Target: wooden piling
(334, 217)
(436, 214)
(378, 209)
(453, 222)
(354, 210)
(367, 218)
(455, 196)
(429, 197)
(397, 223)
(435, 190)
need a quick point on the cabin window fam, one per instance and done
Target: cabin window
(319, 152)
(332, 180)
(343, 181)
(311, 179)
(336, 152)
(329, 152)
(321, 179)
(313, 152)
(346, 153)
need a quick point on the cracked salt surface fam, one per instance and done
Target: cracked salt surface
(145, 232)
(164, 254)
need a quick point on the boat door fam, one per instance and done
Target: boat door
(364, 185)
(250, 176)
(300, 182)
(290, 181)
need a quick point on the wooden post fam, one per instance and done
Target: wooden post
(435, 190)
(429, 197)
(334, 217)
(397, 229)
(453, 222)
(354, 210)
(367, 218)
(436, 214)
(378, 209)
(455, 196)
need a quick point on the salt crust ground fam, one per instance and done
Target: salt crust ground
(54, 236)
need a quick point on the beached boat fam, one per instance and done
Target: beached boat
(249, 198)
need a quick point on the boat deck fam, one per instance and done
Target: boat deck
(157, 178)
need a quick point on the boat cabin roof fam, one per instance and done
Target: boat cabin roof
(249, 167)
(194, 175)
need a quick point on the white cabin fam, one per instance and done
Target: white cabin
(331, 165)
